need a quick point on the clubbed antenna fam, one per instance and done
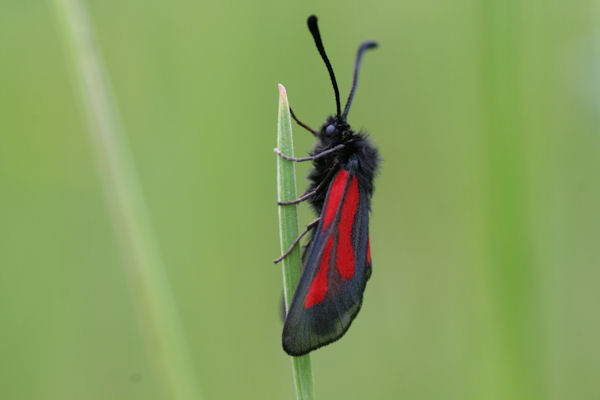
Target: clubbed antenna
(363, 47)
(314, 30)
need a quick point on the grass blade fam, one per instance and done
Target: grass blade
(288, 231)
(145, 268)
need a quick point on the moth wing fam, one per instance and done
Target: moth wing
(337, 266)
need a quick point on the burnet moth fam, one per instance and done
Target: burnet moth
(337, 258)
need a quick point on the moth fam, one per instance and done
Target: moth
(337, 258)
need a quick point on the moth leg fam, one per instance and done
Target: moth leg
(309, 158)
(302, 124)
(300, 199)
(289, 250)
(311, 193)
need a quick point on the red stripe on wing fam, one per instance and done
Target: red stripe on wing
(336, 191)
(318, 287)
(345, 251)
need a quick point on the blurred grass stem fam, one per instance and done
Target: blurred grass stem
(508, 227)
(288, 231)
(160, 321)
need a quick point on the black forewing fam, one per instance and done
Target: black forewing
(306, 329)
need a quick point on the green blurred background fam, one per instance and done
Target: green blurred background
(486, 216)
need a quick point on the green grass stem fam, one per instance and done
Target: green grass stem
(288, 231)
(509, 232)
(145, 269)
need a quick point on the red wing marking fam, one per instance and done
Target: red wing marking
(318, 287)
(344, 250)
(368, 251)
(334, 197)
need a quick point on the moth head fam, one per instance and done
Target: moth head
(335, 130)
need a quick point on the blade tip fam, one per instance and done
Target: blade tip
(282, 91)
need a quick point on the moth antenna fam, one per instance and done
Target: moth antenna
(361, 49)
(314, 30)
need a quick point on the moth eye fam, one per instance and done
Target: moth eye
(330, 129)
